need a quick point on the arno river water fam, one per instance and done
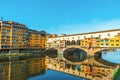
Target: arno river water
(45, 68)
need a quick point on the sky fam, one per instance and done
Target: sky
(63, 16)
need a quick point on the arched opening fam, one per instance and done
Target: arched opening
(78, 42)
(73, 42)
(67, 42)
(51, 53)
(75, 54)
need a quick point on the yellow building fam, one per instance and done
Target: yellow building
(12, 35)
(97, 42)
(53, 35)
(36, 40)
(43, 41)
(114, 42)
(83, 43)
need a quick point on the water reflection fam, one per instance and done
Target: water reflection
(28, 67)
(112, 56)
(75, 54)
(89, 68)
(22, 69)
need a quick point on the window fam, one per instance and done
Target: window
(108, 34)
(117, 44)
(102, 40)
(99, 35)
(84, 36)
(112, 44)
(106, 44)
(103, 70)
(106, 40)
(112, 40)
(97, 44)
(91, 36)
(117, 40)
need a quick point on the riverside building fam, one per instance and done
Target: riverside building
(12, 36)
(16, 37)
(36, 39)
(99, 39)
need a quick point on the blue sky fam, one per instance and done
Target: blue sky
(63, 16)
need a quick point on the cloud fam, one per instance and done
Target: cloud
(93, 25)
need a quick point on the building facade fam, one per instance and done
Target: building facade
(108, 38)
(12, 35)
(36, 39)
(16, 37)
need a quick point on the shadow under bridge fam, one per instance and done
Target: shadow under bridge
(75, 54)
(51, 52)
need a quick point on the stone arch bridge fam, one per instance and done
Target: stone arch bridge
(89, 51)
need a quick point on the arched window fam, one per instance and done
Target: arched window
(73, 42)
(67, 42)
(78, 42)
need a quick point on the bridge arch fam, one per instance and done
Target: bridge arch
(98, 53)
(75, 54)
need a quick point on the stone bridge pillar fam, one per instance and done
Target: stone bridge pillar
(60, 52)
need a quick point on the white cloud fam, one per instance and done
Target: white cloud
(93, 25)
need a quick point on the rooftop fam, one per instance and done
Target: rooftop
(93, 32)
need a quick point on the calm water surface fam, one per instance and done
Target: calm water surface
(31, 69)
(55, 75)
(113, 56)
(36, 68)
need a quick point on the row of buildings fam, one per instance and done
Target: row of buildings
(108, 38)
(16, 36)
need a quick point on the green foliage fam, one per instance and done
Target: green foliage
(117, 75)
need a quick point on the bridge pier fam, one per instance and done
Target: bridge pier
(60, 52)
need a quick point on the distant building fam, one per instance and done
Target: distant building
(36, 39)
(52, 36)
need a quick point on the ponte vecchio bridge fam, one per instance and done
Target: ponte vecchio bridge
(91, 42)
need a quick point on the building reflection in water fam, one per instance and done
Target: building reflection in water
(89, 68)
(30, 67)
(22, 69)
